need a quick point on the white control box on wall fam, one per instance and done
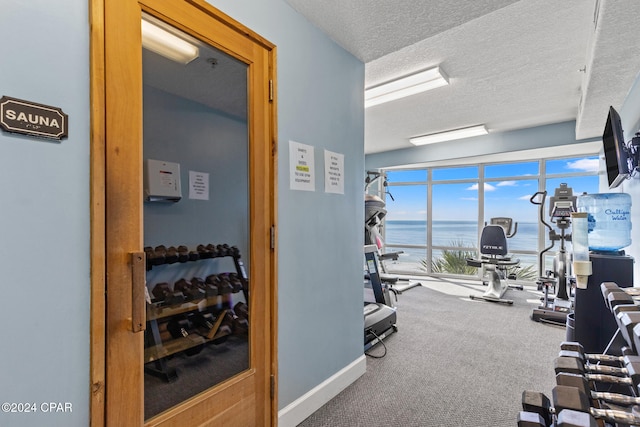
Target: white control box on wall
(161, 181)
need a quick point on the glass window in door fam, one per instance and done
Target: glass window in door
(196, 216)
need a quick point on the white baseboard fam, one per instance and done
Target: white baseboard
(294, 413)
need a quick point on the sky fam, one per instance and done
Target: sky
(507, 190)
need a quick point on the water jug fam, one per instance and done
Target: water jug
(609, 220)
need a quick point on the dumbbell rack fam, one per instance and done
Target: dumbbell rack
(157, 348)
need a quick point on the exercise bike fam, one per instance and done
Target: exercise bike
(494, 260)
(554, 309)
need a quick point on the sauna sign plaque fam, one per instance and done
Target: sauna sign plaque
(29, 118)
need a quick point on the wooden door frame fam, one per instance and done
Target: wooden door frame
(99, 409)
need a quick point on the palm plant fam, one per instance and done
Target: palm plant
(454, 261)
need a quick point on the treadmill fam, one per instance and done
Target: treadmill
(379, 316)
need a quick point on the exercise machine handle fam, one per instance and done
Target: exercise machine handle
(543, 197)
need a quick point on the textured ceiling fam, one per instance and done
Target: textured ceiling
(511, 64)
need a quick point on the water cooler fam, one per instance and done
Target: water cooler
(609, 230)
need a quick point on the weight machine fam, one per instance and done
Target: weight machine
(555, 309)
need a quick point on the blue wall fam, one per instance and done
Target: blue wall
(44, 218)
(493, 143)
(320, 93)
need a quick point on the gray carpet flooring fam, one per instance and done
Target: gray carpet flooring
(453, 362)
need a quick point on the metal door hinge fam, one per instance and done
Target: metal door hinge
(270, 90)
(273, 386)
(273, 237)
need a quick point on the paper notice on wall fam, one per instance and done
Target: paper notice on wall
(301, 170)
(333, 172)
(198, 185)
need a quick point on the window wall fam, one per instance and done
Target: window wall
(435, 215)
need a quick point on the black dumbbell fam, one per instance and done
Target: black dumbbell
(573, 365)
(191, 292)
(571, 418)
(183, 253)
(204, 253)
(155, 256)
(234, 251)
(171, 255)
(223, 250)
(233, 280)
(241, 310)
(205, 321)
(210, 289)
(163, 292)
(614, 295)
(530, 419)
(575, 349)
(213, 249)
(571, 398)
(580, 382)
(221, 281)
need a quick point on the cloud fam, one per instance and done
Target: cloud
(507, 184)
(525, 197)
(487, 187)
(473, 199)
(586, 165)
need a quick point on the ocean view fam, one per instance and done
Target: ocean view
(452, 233)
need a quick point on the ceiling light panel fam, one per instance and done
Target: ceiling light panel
(406, 86)
(162, 42)
(449, 135)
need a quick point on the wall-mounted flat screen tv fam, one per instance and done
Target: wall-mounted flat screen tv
(615, 153)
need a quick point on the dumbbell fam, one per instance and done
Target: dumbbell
(619, 377)
(630, 369)
(223, 284)
(210, 289)
(530, 419)
(234, 251)
(171, 256)
(614, 295)
(575, 349)
(163, 292)
(154, 256)
(203, 320)
(233, 280)
(215, 249)
(572, 398)
(241, 310)
(223, 250)
(204, 253)
(179, 327)
(191, 292)
(240, 324)
(184, 254)
(580, 382)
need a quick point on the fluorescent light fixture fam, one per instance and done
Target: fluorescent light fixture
(164, 43)
(405, 86)
(449, 135)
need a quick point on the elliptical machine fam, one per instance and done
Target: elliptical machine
(555, 309)
(374, 212)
